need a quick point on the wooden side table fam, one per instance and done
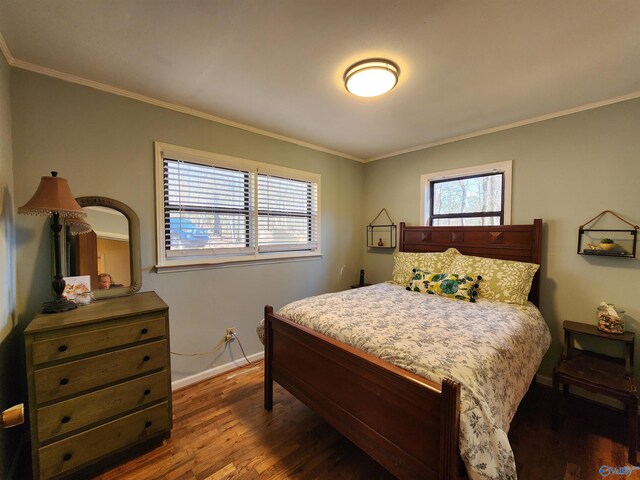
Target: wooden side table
(599, 374)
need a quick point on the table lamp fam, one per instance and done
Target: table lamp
(53, 197)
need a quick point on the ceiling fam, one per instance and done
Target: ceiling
(276, 66)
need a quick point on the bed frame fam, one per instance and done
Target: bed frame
(405, 422)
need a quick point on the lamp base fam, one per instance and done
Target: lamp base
(58, 305)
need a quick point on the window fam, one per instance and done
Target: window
(468, 196)
(219, 209)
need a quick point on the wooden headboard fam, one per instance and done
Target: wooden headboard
(522, 243)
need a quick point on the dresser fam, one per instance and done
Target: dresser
(99, 383)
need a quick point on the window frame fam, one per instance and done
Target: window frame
(256, 255)
(427, 180)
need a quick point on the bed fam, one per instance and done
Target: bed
(408, 421)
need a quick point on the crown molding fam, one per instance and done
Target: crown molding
(161, 103)
(196, 113)
(528, 121)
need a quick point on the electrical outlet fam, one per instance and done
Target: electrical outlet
(230, 333)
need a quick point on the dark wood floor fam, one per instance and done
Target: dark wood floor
(221, 431)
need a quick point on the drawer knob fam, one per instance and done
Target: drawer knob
(144, 331)
(148, 423)
(147, 391)
(66, 457)
(62, 348)
(146, 358)
(66, 419)
(64, 381)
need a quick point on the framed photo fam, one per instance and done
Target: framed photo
(76, 286)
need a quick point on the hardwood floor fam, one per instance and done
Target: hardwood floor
(221, 431)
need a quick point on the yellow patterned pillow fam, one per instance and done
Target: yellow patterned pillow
(505, 280)
(405, 262)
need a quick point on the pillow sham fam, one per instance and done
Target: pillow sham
(504, 280)
(405, 262)
(462, 287)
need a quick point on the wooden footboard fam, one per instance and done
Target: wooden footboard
(407, 423)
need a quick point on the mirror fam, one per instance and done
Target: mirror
(112, 247)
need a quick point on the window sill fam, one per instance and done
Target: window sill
(182, 265)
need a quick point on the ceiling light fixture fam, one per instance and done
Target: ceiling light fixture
(372, 77)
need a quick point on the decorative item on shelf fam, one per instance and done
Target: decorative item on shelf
(610, 318)
(384, 233)
(609, 242)
(53, 197)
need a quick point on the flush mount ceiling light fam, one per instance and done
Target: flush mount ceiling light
(372, 77)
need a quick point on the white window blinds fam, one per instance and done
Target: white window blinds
(287, 214)
(225, 209)
(207, 209)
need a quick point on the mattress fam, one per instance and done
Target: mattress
(493, 349)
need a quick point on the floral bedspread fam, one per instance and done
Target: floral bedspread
(492, 349)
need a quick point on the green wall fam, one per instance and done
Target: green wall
(565, 171)
(11, 372)
(103, 144)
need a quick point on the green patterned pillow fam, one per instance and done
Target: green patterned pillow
(505, 280)
(405, 262)
(462, 287)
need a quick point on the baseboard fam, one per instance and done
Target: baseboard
(215, 371)
(579, 392)
(544, 380)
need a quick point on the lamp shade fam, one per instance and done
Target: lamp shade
(53, 196)
(78, 226)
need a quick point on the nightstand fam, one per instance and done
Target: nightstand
(599, 374)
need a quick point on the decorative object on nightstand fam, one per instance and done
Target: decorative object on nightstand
(53, 197)
(599, 374)
(99, 384)
(610, 318)
(361, 283)
(381, 235)
(603, 244)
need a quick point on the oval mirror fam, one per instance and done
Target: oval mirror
(111, 249)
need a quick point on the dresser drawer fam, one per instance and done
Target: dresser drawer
(79, 412)
(77, 450)
(89, 373)
(87, 341)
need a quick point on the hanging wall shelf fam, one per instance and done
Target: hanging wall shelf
(602, 242)
(381, 235)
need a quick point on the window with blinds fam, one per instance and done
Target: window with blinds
(213, 208)
(287, 214)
